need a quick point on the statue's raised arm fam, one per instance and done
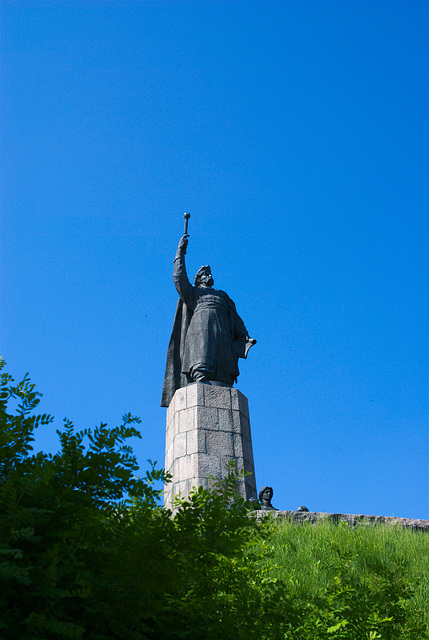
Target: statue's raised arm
(180, 277)
(208, 335)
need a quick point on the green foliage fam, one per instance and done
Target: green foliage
(368, 582)
(60, 517)
(86, 552)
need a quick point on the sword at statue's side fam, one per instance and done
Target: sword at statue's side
(186, 215)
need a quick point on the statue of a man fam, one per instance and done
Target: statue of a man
(208, 335)
(265, 497)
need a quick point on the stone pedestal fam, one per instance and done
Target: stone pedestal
(207, 426)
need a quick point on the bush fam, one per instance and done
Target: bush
(87, 552)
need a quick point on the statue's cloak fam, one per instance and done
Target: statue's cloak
(236, 346)
(174, 378)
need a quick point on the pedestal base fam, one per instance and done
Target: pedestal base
(207, 426)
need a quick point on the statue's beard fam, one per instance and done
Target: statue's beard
(207, 284)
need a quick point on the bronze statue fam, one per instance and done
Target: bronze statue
(208, 335)
(265, 497)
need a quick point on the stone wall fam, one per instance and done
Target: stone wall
(352, 519)
(207, 427)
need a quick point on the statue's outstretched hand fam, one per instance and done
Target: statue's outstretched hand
(183, 243)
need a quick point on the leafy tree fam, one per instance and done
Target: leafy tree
(60, 515)
(87, 552)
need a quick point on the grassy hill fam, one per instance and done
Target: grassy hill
(342, 582)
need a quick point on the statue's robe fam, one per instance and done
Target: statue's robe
(208, 335)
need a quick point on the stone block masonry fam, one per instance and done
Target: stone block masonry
(207, 427)
(352, 519)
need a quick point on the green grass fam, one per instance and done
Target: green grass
(313, 551)
(376, 577)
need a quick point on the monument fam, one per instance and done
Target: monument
(265, 497)
(207, 419)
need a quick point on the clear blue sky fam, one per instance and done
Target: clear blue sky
(296, 134)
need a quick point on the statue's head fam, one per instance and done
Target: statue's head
(265, 495)
(203, 277)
